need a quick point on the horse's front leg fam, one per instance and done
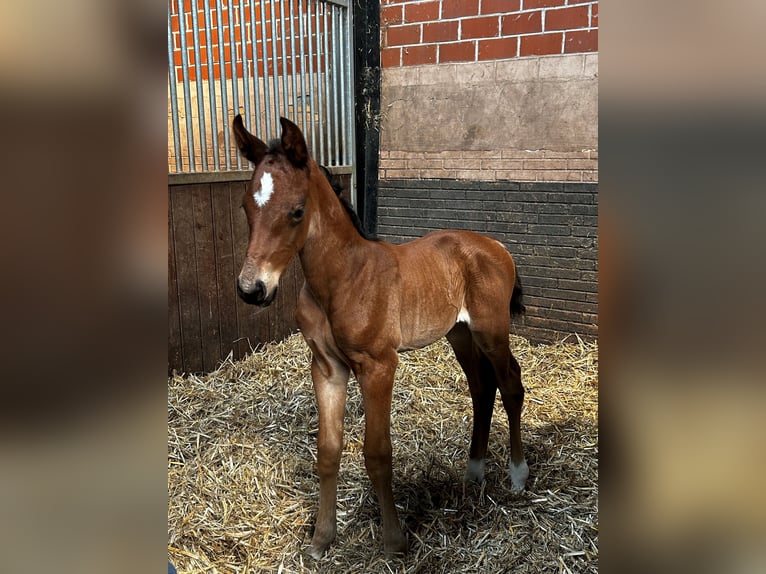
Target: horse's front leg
(377, 379)
(330, 381)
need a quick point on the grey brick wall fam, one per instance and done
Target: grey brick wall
(551, 229)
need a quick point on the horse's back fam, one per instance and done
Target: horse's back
(475, 255)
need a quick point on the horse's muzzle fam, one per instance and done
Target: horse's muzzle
(258, 295)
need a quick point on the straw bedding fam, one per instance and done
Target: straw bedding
(243, 490)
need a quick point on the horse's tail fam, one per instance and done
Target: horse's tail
(517, 301)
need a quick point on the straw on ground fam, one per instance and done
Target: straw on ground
(243, 490)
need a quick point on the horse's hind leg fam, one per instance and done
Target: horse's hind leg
(481, 381)
(508, 376)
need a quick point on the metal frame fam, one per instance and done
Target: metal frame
(307, 61)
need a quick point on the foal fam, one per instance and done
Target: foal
(363, 301)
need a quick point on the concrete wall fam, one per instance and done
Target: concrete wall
(528, 119)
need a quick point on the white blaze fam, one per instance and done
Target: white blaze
(463, 316)
(263, 195)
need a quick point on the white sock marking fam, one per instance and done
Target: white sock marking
(263, 195)
(463, 316)
(519, 476)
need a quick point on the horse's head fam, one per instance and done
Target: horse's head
(277, 205)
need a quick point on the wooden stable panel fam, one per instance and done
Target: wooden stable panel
(207, 238)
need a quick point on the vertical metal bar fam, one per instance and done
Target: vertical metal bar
(351, 138)
(211, 88)
(266, 88)
(256, 80)
(200, 92)
(245, 65)
(350, 91)
(302, 36)
(234, 75)
(319, 90)
(293, 69)
(337, 78)
(285, 84)
(224, 87)
(173, 97)
(187, 90)
(342, 76)
(327, 80)
(314, 148)
(275, 57)
(330, 79)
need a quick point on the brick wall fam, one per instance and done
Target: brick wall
(444, 31)
(550, 229)
(228, 24)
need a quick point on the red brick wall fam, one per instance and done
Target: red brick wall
(441, 31)
(220, 29)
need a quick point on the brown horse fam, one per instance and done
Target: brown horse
(363, 301)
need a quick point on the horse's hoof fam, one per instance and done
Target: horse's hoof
(316, 551)
(474, 472)
(319, 544)
(397, 545)
(519, 473)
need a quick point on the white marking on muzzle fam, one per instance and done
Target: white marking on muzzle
(463, 316)
(263, 195)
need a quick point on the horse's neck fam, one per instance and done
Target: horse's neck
(333, 245)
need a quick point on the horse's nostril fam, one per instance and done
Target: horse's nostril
(260, 291)
(253, 293)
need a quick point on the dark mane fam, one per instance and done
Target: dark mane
(336, 186)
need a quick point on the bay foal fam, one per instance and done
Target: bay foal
(363, 301)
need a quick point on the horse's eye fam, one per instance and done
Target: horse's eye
(297, 214)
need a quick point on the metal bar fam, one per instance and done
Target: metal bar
(293, 70)
(330, 83)
(350, 125)
(174, 98)
(224, 87)
(187, 90)
(350, 90)
(327, 81)
(245, 65)
(314, 148)
(320, 101)
(302, 35)
(234, 75)
(275, 57)
(337, 65)
(266, 89)
(285, 84)
(211, 88)
(256, 80)
(341, 3)
(350, 134)
(342, 77)
(200, 92)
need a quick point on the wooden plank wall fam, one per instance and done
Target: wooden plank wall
(207, 237)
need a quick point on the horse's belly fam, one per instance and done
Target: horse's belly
(417, 336)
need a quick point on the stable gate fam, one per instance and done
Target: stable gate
(264, 60)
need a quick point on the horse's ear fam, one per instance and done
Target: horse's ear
(293, 143)
(249, 146)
